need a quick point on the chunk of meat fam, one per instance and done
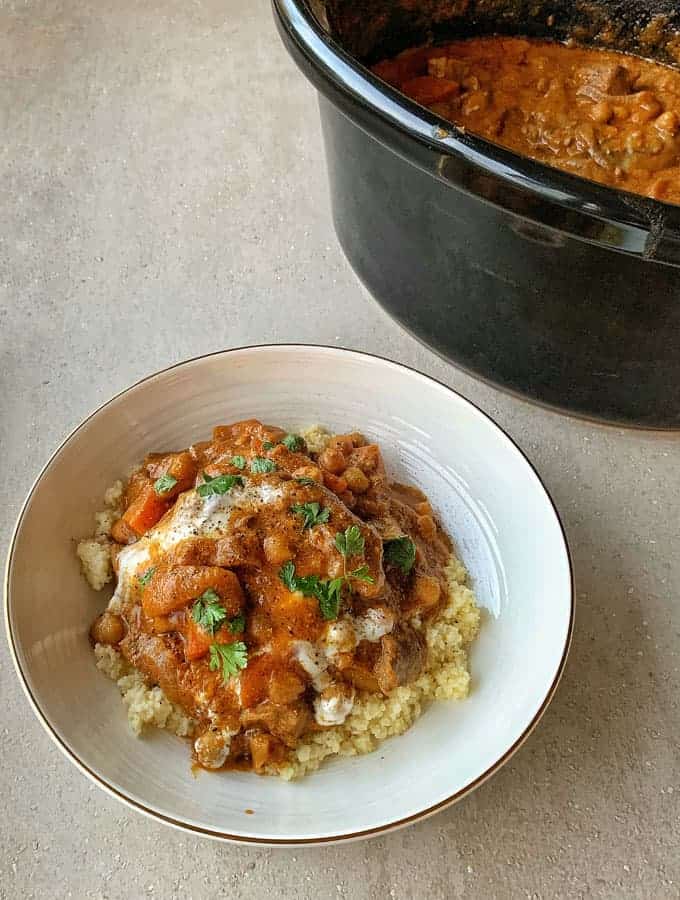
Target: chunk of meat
(241, 548)
(401, 658)
(270, 677)
(595, 80)
(172, 587)
(424, 596)
(286, 722)
(192, 685)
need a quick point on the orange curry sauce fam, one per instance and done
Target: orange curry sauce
(249, 565)
(607, 116)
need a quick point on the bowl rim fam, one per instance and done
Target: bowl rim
(227, 837)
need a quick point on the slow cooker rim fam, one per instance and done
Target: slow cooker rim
(554, 187)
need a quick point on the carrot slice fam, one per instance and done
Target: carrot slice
(198, 640)
(181, 466)
(145, 510)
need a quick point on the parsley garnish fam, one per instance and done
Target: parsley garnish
(312, 513)
(362, 574)
(400, 552)
(287, 576)
(239, 462)
(308, 585)
(268, 445)
(293, 442)
(145, 577)
(328, 593)
(164, 484)
(220, 484)
(350, 542)
(329, 597)
(208, 612)
(238, 623)
(228, 657)
(261, 466)
(305, 480)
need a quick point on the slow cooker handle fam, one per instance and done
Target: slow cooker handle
(663, 241)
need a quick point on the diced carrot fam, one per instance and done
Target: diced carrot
(426, 89)
(198, 641)
(181, 466)
(145, 510)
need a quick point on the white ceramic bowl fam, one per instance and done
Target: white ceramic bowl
(486, 493)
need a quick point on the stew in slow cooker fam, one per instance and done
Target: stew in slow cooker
(611, 117)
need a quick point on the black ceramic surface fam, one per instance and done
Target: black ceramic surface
(564, 291)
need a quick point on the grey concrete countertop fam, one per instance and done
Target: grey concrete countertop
(163, 195)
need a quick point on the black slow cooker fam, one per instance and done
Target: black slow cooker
(545, 284)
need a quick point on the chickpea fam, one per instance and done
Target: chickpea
(426, 591)
(333, 460)
(667, 122)
(358, 439)
(423, 508)
(342, 442)
(313, 472)
(107, 629)
(367, 458)
(356, 480)
(211, 749)
(276, 548)
(427, 527)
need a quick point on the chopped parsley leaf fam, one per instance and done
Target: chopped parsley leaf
(262, 466)
(293, 442)
(239, 462)
(400, 552)
(362, 574)
(328, 593)
(230, 658)
(305, 480)
(145, 577)
(220, 484)
(312, 514)
(329, 597)
(350, 542)
(287, 575)
(164, 484)
(208, 612)
(238, 623)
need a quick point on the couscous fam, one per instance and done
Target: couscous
(278, 602)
